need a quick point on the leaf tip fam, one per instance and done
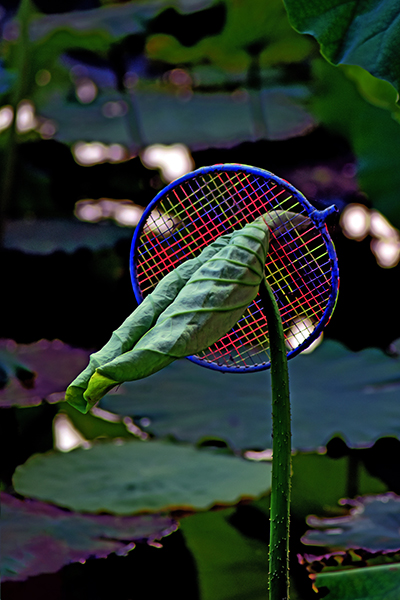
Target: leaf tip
(74, 397)
(98, 386)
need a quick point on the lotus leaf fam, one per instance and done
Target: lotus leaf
(131, 477)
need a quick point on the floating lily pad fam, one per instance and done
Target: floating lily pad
(333, 391)
(373, 525)
(369, 583)
(131, 477)
(51, 365)
(41, 538)
(199, 120)
(44, 236)
(116, 21)
(353, 33)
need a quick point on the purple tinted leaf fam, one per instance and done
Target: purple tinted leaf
(373, 525)
(33, 372)
(41, 538)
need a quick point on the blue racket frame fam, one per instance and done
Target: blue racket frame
(318, 219)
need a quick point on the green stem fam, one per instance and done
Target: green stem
(281, 453)
(18, 94)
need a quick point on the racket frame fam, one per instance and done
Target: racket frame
(318, 219)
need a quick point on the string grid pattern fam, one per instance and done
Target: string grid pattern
(298, 268)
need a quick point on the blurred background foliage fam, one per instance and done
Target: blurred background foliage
(101, 104)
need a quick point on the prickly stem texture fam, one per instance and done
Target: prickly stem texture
(281, 452)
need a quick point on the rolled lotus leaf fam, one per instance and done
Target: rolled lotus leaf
(141, 320)
(207, 307)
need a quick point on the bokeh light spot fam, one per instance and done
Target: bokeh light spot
(26, 119)
(173, 161)
(86, 90)
(66, 437)
(387, 252)
(355, 221)
(43, 77)
(6, 117)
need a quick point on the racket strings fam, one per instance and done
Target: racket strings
(206, 217)
(298, 266)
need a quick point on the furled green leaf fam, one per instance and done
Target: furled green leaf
(373, 525)
(333, 391)
(40, 538)
(189, 318)
(140, 321)
(353, 32)
(131, 477)
(31, 373)
(380, 582)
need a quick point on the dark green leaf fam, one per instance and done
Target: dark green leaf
(353, 33)
(40, 538)
(230, 565)
(373, 525)
(231, 552)
(131, 477)
(38, 371)
(320, 482)
(254, 31)
(339, 106)
(371, 583)
(333, 391)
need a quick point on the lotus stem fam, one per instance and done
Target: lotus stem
(281, 453)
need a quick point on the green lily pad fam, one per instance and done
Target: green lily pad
(131, 477)
(51, 365)
(40, 538)
(373, 525)
(117, 21)
(333, 391)
(44, 236)
(199, 120)
(353, 33)
(380, 582)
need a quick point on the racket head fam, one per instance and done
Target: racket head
(301, 267)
